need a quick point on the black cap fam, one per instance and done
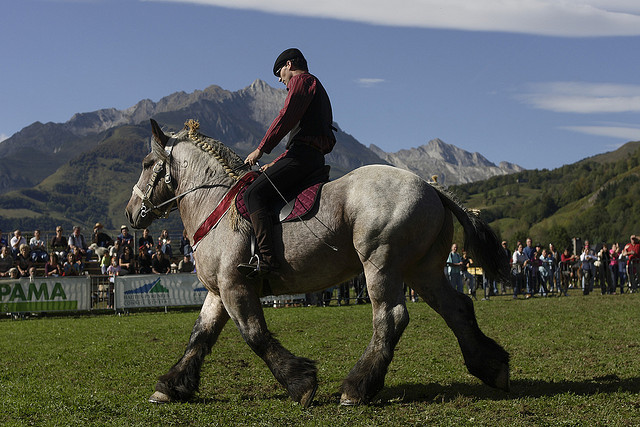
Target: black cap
(285, 56)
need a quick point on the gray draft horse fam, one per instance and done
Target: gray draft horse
(387, 221)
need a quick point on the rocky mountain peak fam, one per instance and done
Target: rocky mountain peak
(452, 164)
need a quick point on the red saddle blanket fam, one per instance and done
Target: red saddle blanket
(294, 209)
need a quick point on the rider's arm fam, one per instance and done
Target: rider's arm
(301, 91)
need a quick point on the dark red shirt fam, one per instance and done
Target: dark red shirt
(308, 106)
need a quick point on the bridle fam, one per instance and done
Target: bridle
(162, 164)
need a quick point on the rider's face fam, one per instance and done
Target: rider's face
(285, 73)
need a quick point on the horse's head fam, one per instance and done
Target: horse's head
(155, 186)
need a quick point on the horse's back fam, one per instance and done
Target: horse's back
(380, 188)
(388, 205)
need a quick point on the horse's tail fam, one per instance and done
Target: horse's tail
(479, 239)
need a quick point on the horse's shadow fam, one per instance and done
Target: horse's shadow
(438, 393)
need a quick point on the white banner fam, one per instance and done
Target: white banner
(152, 290)
(45, 294)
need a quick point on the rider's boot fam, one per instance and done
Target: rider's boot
(264, 262)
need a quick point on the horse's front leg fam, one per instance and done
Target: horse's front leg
(296, 374)
(183, 379)
(390, 318)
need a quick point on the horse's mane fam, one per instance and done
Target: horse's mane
(230, 161)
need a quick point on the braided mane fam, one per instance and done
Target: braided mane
(229, 160)
(231, 163)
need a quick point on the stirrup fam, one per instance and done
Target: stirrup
(254, 268)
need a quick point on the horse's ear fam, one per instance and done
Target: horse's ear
(158, 135)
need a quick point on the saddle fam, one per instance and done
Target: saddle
(300, 202)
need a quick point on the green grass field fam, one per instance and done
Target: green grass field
(575, 361)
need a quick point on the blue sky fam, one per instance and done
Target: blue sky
(539, 83)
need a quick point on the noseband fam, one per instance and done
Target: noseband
(147, 205)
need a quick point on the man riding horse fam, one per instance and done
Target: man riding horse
(308, 118)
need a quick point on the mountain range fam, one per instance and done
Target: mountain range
(40, 165)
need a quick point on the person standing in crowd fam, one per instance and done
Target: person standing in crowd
(146, 242)
(115, 250)
(622, 269)
(59, 244)
(545, 269)
(3, 240)
(555, 270)
(185, 244)
(566, 261)
(6, 261)
(464, 271)
(587, 258)
(632, 250)
(614, 254)
(78, 245)
(360, 288)
(536, 281)
(604, 257)
(125, 239)
(164, 243)
(519, 262)
(113, 271)
(99, 237)
(454, 264)
(38, 248)
(528, 251)
(16, 243)
(508, 254)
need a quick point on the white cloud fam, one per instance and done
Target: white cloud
(628, 133)
(3, 137)
(583, 98)
(367, 82)
(570, 18)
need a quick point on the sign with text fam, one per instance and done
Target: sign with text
(158, 290)
(45, 294)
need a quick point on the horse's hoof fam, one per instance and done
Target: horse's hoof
(159, 397)
(307, 398)
(347, 401)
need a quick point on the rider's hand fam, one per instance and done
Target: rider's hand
(253, 158)
(265, 167)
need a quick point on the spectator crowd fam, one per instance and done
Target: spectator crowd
(68, 255)
(534, 270)
(546, 271)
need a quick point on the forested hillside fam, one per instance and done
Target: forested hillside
(597, 199)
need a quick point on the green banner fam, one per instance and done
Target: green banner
(13, 307)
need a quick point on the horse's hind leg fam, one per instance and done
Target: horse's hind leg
(390, 318)
(183, 379)
(296, 374)
(483, 357)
